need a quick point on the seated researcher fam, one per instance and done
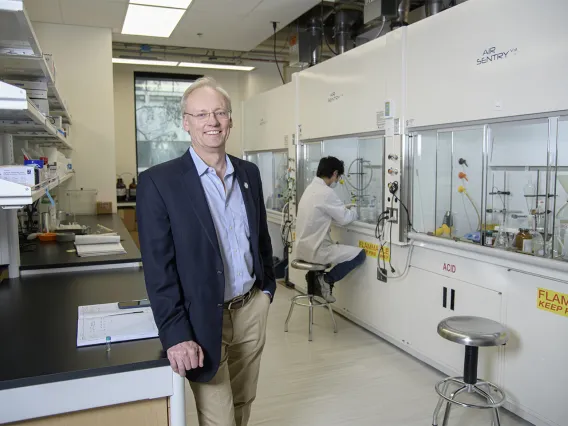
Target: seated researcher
(318, 207)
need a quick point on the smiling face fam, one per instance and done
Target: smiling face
(209, 123)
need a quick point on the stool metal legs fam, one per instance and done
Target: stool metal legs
(439, 405)
(289, 314)
(492, 403)
(449, 406)
(311, 309)
(478, 390)
(332, 318)
(311, 304)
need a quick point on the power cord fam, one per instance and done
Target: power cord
(390, 241)
(274, 24)
(393, 188)
(383, 217)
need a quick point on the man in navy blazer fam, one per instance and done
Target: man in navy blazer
(207, 260)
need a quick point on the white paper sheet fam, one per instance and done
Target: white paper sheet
(96, 322)
(97, 239)
(87, 250)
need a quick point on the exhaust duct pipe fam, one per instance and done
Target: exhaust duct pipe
(314, 32)
(402, 14)
(345, 18)
(433, 7)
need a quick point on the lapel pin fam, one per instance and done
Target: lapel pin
(246, 185)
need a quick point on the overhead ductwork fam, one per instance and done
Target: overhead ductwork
(403, 9)
(346, 18)
(312, 37)
(433, 7)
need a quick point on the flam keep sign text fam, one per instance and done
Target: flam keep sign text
(552, 301)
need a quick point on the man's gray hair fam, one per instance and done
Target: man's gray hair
(205, 82)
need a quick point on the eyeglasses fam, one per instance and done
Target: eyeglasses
(220, 115)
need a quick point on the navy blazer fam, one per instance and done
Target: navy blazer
(182, 261)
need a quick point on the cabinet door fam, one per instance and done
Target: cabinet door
(390, 314)
(427, 308)
(535, 373)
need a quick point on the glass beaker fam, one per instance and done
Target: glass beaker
(502, 238)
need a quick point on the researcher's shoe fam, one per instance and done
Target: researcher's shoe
(325, 290)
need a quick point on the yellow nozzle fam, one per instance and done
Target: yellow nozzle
(461, 189)
(442, 230)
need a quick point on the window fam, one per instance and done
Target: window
(362, 183)
(159, 132)
(273, 166)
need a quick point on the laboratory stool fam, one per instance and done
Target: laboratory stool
(472, 332)
(314, 271)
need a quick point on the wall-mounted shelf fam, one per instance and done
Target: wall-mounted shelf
(21, 56)
(14, 195)
(22, 119)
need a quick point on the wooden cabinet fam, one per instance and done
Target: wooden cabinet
(153, 412)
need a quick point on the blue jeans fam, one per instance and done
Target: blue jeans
(340, 270)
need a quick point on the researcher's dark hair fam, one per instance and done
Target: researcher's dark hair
(328, 165)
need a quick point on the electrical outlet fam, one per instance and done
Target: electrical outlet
(393, 215)
(381, 274)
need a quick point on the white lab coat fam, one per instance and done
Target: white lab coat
(318, 208)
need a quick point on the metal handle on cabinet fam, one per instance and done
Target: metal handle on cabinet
(445, 297)
(453, 300)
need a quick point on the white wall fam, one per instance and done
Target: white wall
(84, 76)
(264, 77)
(239, 84)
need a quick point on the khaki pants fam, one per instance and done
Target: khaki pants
(226, 400)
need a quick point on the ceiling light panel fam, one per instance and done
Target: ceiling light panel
(151, 21)
(215, 66)
(144, 62)
(176, 4)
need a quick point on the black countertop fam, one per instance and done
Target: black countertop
(38, 328)
(38, 255)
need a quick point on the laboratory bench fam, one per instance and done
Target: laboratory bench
(38, 257)
(44, 374)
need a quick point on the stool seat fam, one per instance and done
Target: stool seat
(473, 331)
(307, 266)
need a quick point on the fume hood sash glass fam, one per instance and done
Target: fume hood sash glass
(487, 184)
(362, 183)
(273, 166)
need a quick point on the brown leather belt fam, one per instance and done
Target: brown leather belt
(239, 301)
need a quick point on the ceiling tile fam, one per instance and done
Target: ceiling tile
(44, 11)
(224, 24)
(105, 14)
(291, 5)
(235, 7)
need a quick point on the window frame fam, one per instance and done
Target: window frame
(190, 78)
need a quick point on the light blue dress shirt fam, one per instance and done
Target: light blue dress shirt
(229, 215)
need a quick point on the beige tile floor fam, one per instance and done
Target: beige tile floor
(349, 378)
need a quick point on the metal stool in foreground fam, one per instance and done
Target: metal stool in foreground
(472, 332)
(314, 271)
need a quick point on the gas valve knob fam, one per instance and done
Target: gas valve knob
(393, 157)
(393, 171)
